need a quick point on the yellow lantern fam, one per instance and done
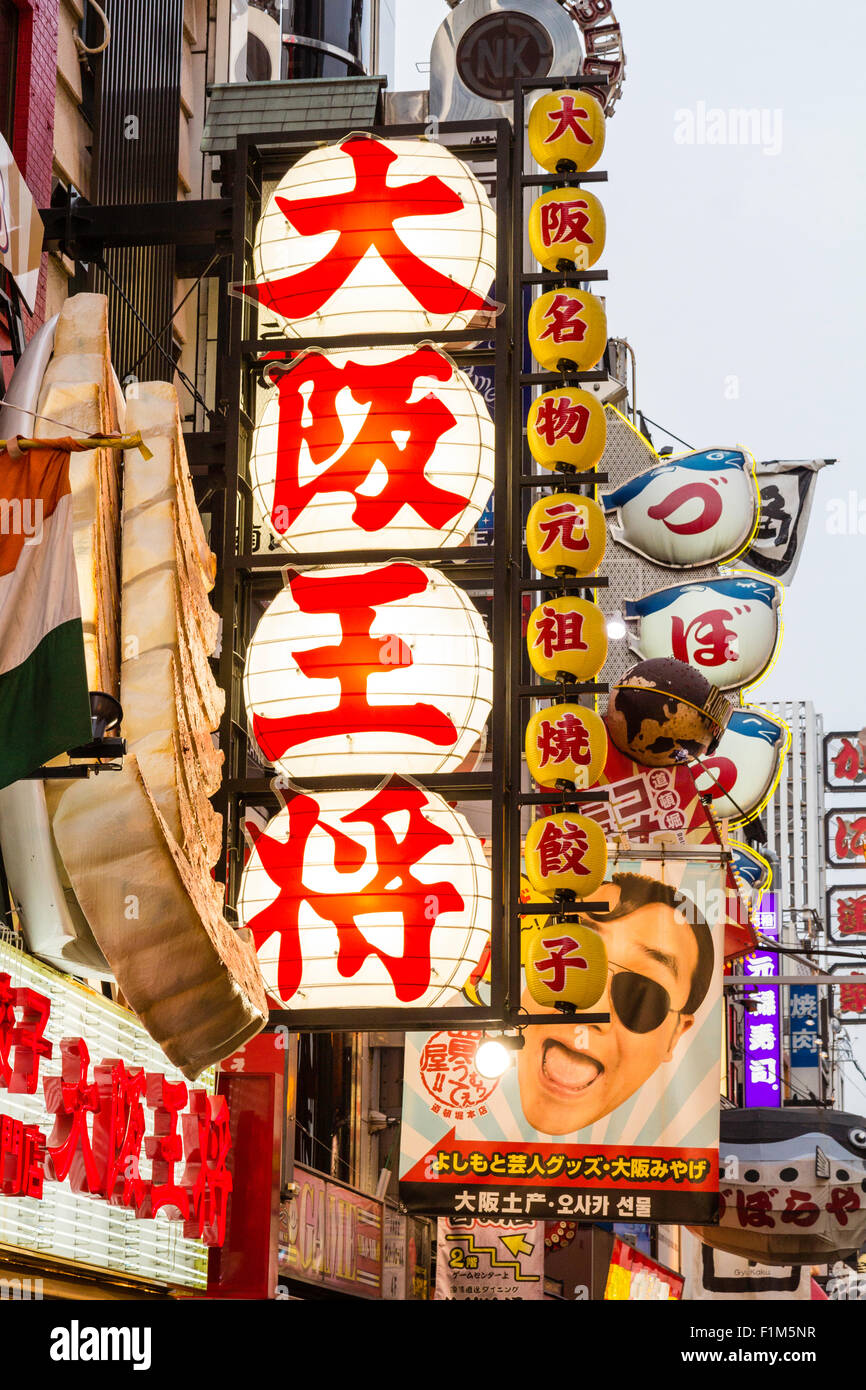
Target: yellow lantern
(566, 854)
(566, 131)
(567, 326)
(566, 745)
(566, 964)
(567, 635)
(566, 532)
(566, 430)
(567, 224)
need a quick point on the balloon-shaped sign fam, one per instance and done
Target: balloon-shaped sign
(696, 510)
(567, 224)
(566, 746)
(364, 899)
(566, 131)
(566, 430)
(568, 326)
(566, 963)
(565, 854)
(663, 712)
(565, 533)
(399, 233)
(567, 635)
(367, 449)
(388, 666)
(741, 773)
(727, 628)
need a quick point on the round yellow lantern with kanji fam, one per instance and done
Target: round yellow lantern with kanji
(566, 533)
(566, 854)
(566, 430)
(567, 637)
(566, 131)
(566, 964)
(566, 746)
(567, 327)
(567, 224)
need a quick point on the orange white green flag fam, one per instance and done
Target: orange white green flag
(44, 702)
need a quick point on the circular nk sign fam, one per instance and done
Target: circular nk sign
(499, 48)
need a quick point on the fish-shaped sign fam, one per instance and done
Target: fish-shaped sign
(726, 628)
(741, 773)
(699, 509)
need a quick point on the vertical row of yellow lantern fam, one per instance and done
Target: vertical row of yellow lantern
(566, 744)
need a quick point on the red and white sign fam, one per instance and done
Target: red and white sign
(369, 449)
(367, 899)
(845, 761)
(97, 1129)
(388, 664)
(846, 913)
(845, 838)
(375, 235)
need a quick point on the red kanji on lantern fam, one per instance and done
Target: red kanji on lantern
(357, 657)
(566, 525)
(562, 317)
(711, 508)
(23, 1018)
(206, 1178)
(165, 1146)
(564, 221)
(563, 847)
(118, 1134)
(714, 641)
(563, 739)
(391, 888)
(559, 632)
(364, 218)
(398, 433)
(565, 119)
(558, 417)
(563, 955)
(72, 1097)
(800, 1210)
(851, 916)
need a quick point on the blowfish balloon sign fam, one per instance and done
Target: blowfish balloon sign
(367, 898)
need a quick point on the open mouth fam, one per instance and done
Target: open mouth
(567, 1070)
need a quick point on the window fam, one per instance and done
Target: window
(8, 60)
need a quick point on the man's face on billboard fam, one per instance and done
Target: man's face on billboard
(570, 1076)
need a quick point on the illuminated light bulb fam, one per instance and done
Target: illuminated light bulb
(492, 1058)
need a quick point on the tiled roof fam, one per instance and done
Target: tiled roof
(257, 108)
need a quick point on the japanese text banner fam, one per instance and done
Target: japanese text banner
(607, 1121)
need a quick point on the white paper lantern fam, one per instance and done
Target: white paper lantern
(368, 669)
(363, 899)
(367, 449)
(396, 234)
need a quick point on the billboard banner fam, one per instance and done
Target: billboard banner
(614, 1121)
(483, 1261)
(845, 761)
(787, 488)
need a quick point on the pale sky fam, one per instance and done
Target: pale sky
(728, 262)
